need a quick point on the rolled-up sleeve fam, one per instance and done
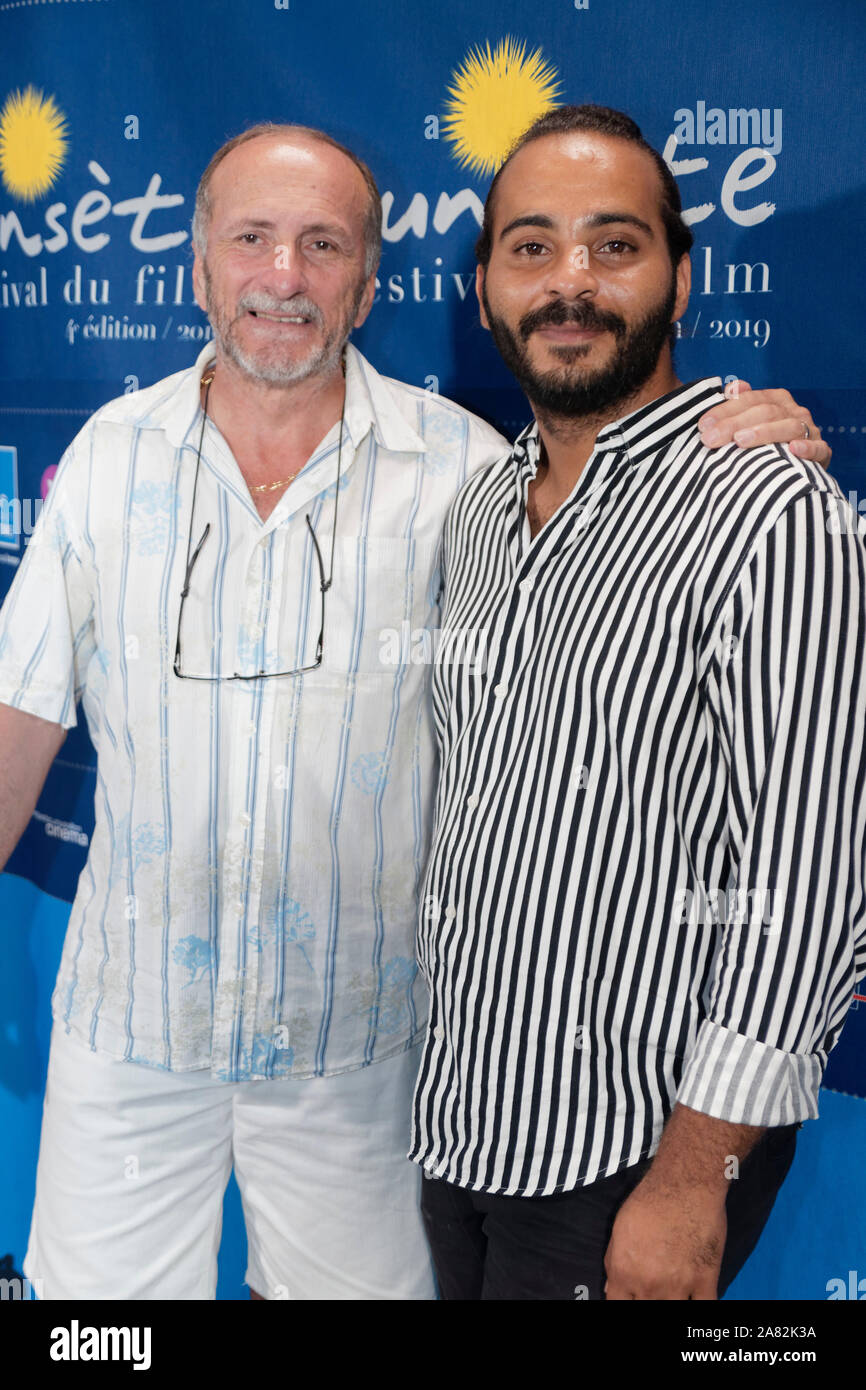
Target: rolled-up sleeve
(46, 621)
(786, 693)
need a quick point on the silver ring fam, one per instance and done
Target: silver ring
(807, 433)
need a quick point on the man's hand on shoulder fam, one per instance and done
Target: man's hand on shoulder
(763, 417)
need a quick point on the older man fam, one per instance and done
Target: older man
(643, 910)
(212, 576)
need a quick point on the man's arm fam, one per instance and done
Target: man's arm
(786, 691)
(752, 417)
(28, 747)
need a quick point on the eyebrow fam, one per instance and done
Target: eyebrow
(329, 229)
(598, 219)
(260, 223)
(263, 224)
(604, 219)
(532, 219)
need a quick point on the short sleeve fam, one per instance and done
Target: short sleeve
(46, 621)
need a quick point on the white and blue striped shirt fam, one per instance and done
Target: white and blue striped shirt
(249, 898)
(649, 856)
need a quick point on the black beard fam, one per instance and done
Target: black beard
(562, 393)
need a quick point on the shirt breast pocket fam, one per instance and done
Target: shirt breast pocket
(382, 609)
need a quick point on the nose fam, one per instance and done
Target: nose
(570, 274)
(287, 275)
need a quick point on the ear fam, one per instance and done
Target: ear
(479, 289)
(684, 287)
(366, 300)
(198, 282)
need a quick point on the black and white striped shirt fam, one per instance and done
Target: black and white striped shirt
(647, 873)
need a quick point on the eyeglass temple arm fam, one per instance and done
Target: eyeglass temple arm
(195, 554)
(324, 583)
(185, 590)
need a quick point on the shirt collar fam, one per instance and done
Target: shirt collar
(369, 405)
(644, 432)
(178, 412)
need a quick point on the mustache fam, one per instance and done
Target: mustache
(257, 300)
(583, 314)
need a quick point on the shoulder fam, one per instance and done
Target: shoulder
(106, 445)
(442, 424)
(753, 489)
(765, 509)
(442, 410)
(144, 407)
(109, 436)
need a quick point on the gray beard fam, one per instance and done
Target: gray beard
(278, 373)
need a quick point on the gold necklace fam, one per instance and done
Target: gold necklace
(272, 487)
(206, 381)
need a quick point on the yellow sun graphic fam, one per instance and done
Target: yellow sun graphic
(33, 143)
(493, 98)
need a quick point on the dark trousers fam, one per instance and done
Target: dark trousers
(514, 1248)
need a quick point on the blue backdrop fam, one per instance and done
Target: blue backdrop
(109, 110)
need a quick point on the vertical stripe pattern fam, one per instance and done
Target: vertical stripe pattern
(646, 879)
(249, 899)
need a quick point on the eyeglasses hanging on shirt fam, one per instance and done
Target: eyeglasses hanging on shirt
(193, 555)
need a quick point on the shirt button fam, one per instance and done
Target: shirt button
(450, 913)
(525, 585)
(500, 691)
(439, 1034)
(245, 819)
(473, 800)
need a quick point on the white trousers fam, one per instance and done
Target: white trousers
(134, 1162)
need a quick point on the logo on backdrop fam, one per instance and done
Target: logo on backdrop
(493, 97)
(33, 144)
